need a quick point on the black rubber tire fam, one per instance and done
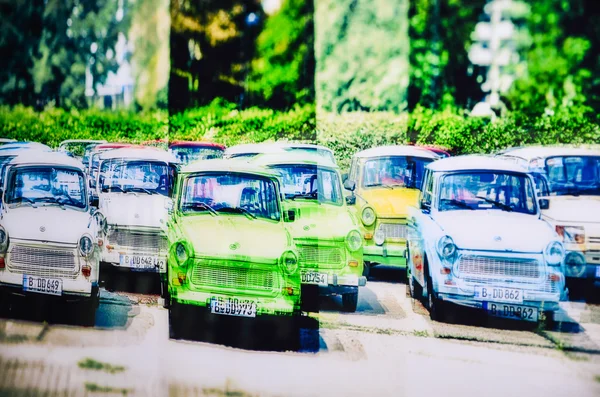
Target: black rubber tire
(366, 269)
(591, 294)
(433, 304)
(164, 294)
(175, 314)
(350, 302)
(415, 289)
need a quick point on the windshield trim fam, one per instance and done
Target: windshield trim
(183, 178)
(526, 176)
(17, 167)
(363, 166)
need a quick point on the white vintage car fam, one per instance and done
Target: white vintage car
(570, 179)
(477, 239)
(48, 234)
(134, 186)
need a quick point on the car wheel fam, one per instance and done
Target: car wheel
(366, 269)
(350, 301)
(164, 294)
(175, 320)
(87, 311)
(590, 292)
(434, 305)
(548, 320)
(414, 288)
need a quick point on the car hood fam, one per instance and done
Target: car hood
(321, 221)
(480, 230)
(235, 236)
(48, 223)
(391, 203)
(142, 210)
(582, 209)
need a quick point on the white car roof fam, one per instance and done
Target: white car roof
(293, 145)
(533, 152)
(37, 157)
(271, 159)
(397, 150)
(253, 148)
(475, 162)
(146, 153)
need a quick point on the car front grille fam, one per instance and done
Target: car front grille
(150, 240)
(481, 268)
(230, 276)
(393, 231)
(321, 256)
(43, 262)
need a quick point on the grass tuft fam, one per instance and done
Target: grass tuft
(90, 363)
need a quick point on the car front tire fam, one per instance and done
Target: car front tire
(350, 302)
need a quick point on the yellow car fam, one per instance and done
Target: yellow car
(382, 183)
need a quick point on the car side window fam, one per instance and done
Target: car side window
(427, 192)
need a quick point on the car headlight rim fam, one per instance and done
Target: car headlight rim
(3, 240)
(554, 253)
(86, 245)
(446, 248)
(379, 236)
(181, 253)
(289, 262)
(354, 240)
(368, 216)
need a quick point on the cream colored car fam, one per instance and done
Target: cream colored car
(48, 234)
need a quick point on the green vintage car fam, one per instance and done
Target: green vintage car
(325, 231)
(230, 250)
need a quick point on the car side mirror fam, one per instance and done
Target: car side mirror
(424, 207)
(290, 215)
(544, 204)
(94, 201)
(349, 185)
(351, 200)
(169, 205)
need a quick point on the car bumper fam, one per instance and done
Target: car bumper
(467, 301)
(392, 254)
(264, 305)
(13, 284)
(113, 257)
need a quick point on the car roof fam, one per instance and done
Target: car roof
(89, 141)
(234, 165)
(140, 153)
(114, 145)
(533, 152)
(294, 145)
(292, 158)
(475, 162)
(26, 145)
(196, 144)
(258, 148)
(397, 150)
(36, 157)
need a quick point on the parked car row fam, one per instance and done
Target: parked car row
(265, 229)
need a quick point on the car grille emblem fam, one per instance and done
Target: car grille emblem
(497, 238)
(42, 229)
(234, 246)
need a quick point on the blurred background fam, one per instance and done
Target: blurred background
(467, 75)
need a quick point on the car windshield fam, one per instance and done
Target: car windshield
(487, 191)
(242, 194)
(187, 154)
(394, 171)
(573, 175)
(141, 176)
(310, 181)
(46, 185)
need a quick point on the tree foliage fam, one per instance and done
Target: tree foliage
(283, 69)
(362, 53)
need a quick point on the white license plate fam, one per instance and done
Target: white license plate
(496, 294)
(42, 285)
(314, 278)
(233, 307)
(146, 262)
(511, 311)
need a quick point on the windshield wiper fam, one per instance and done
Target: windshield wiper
(458, 203)
(53, 200)
(203, 206)
(140, 189)
(237, 210)
(27, 199)
(502, 206)
(380, 184)
(312, 196)
(109, 189)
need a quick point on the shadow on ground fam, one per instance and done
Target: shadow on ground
(122, 280)
(112, 312)
(273, 333)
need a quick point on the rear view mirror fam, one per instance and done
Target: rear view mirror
(544, 204)
(290, 216)
(349, 185)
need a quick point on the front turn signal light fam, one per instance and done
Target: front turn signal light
(86, 270)
(353, 263)
(2, 263)
(553, 277)
(289, 290)
(368, 236)
(181, 278)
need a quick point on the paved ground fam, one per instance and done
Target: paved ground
(388, 347)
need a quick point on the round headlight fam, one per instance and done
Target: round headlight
(181, 253)
(86, 246)
(3, 236)
(368, 216)
(379, 236)
(554, 253)
(354, 240)
(446, 247)
(575, 262)
(289, 262)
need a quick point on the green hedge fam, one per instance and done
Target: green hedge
(345, 134)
